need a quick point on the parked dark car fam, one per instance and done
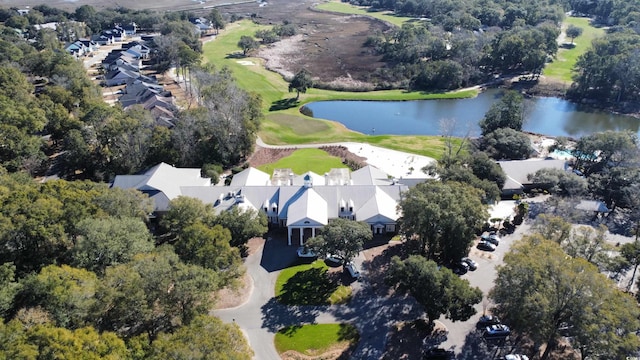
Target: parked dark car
(497, 331)
(460, 268)
(472, 264)
(438, 354)
(487, 320)
(483, 245)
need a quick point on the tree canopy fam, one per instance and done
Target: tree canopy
(508, 112)
(507, 144)
(341, 237)
(205, 338)
(437, 289)
(110, 241)
(573, 32)
(301, 82)
(607, 72)
(153, 293)
(247, 44)
(443, 218)
(541, 290)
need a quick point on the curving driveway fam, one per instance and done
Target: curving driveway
(262, 316)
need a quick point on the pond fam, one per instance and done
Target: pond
(546, 115)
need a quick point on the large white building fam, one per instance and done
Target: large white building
(300, 203)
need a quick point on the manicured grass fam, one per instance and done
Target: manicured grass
(316, 339)
(288, 126)
(345, 8)
(561, 67)
(310, 284)
(303, 160)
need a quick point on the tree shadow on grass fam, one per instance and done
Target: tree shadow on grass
(276, 316)
(235, 55)
(308, 287)
(290, 330)
(284, 104)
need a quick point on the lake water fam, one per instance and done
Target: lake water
(548, 116)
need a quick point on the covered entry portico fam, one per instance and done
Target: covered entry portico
(309, 211)
(301, 232)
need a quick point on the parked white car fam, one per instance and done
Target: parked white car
(304, 252)
(353, 270)
(335, 259)
(516, 357)
(491, 238)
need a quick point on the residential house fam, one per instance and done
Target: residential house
(50, 25)
(117, 58)
(152, 97)
(596, 208)
(202, 25)
(121, 76)
(163, 116)
(89, 44)
(116, 32)
(138, 48)
(138, 92)
(76, 49)
(130, 29)
(103, 39)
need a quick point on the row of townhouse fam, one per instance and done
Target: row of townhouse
(83, 47)
(123, 67)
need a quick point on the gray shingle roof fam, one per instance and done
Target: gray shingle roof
(517, 171)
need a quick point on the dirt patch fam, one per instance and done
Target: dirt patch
(336, 352)
(328, 45)
(230, 297)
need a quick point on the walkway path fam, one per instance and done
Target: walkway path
(262, 316)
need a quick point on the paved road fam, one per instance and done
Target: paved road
(462, 337)
(261, 316)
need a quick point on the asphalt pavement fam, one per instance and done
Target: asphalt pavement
(262, 316)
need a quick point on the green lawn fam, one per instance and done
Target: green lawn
(310, 284)
(560, 68)
(316, 339)
(288, 126)
(346, 8)
(303, 160)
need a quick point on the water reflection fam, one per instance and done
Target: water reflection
(550, 116)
